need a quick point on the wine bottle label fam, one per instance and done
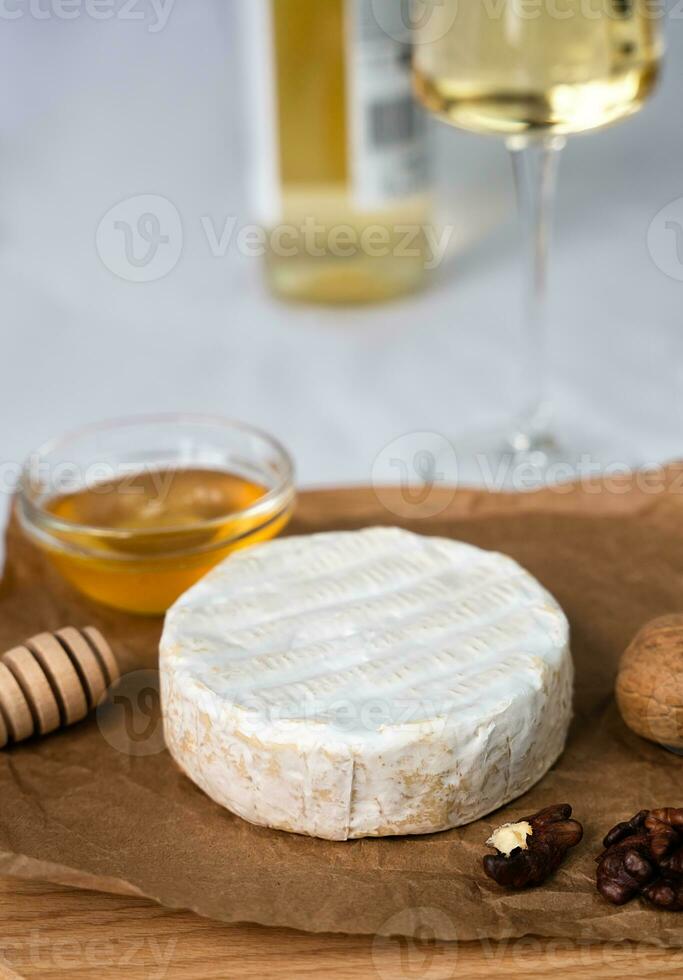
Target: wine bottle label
(387, 137)
(331, 103)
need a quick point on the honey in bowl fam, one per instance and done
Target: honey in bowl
(139, 542)
(150, 505)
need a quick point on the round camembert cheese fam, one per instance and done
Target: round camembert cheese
(365, 683)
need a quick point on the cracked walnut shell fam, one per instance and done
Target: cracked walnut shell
(532, 849)
(649, 686)
(643, 856)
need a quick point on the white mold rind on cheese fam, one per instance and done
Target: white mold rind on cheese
(366, 683)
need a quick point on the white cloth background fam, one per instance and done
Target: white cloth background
(97, 111)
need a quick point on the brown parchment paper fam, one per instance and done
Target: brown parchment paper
(75, 808)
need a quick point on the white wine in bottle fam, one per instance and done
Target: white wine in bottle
(340, 168)
(561, 66)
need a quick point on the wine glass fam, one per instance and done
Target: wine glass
(533, 73)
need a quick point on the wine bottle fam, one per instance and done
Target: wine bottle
(340, 169)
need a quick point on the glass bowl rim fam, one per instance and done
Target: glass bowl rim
(39, 521)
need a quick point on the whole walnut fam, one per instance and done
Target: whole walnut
(649, 686)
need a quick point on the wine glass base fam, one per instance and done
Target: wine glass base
(537, 442)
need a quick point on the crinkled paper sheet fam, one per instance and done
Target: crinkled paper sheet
(76, 809)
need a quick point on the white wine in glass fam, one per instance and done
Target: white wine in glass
(533, 72)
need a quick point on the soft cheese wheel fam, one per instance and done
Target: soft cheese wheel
(366, 683)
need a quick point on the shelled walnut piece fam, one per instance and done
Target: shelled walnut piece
(53, 680)
(649, 687)
(644, 856)
(532, 849)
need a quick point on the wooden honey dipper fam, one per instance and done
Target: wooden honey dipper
(53, 680)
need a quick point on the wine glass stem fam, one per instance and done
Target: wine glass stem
(535, 163)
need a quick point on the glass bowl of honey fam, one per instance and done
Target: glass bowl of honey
(134, 512)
